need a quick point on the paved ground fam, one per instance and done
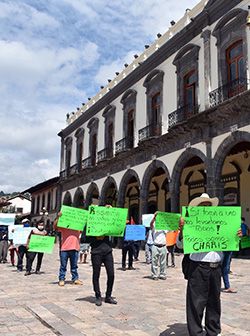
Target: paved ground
(36, 305)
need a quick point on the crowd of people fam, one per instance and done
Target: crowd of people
(203, 272)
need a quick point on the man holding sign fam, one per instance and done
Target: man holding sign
(70, 246)
(204, 274)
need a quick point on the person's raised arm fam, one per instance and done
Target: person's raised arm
(56, 220)
(152, 223)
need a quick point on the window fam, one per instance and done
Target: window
(109, 121)
(93, 149)
(189, 83)
(68, 149)
(130, 131)
(156, 108)
(110, 137)
(235, 62)
(79, 147)
(154, 90)
(19, 210)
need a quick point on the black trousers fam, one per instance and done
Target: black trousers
(130, 250)
(170, 250)
(137, 245)
(108, 261)
(22, 251)
(203, 292)
(30, 258)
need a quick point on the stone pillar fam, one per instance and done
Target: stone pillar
(206, 35)
(174, 196)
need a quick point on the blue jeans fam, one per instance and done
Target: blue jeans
(227, 256)
(72, 255)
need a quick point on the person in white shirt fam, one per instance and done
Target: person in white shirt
(204, 283)
(159, 251)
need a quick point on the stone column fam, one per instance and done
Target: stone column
(206, 35)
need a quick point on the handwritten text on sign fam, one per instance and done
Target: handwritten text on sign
(167, 221)
(42, 244)
(103, 221)
(72, 218)
(211, 228)
(135, 232)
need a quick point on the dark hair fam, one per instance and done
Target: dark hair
(243, 219)
(40, 221)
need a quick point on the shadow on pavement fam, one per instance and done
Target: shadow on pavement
(90, 299)
(178, 329)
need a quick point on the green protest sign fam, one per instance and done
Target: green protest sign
(211, 228)
(245, 242)
(103, 221)
(167, 221)
(73, 218)
(44, 244)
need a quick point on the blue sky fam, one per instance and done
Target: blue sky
(54, 54)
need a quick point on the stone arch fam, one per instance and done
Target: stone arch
(156, 164)
(79, 198)
(224, 148)
(67, 199)
(108, 182)
(91, 189)
(177, 171)
(123, 185)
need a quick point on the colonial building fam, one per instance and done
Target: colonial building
(171, 125)
(44, 202)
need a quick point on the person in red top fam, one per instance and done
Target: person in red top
(69, 249)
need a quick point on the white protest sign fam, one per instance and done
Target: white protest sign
(146, 219)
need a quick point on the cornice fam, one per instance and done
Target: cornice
(207, 16)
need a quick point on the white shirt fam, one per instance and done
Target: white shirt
(211, 256)
(159, 237)
(150, 239)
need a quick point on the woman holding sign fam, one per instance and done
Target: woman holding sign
(39, 230)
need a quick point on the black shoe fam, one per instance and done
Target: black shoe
(124, 268)
(110, 300)
(98, 301)
(37, 272)
(27, 273)
(131, 268)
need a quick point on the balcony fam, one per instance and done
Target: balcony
(182, 114)
(228, 91)
(63, 174)
(124, 144)
(105, 154)
(87, 163)
(150, 131)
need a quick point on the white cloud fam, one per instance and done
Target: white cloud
(53, 55)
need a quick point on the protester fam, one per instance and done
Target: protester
(12, 250)
(148, 246)
(84, 248)
(159, 251)
(204, 283)
(22, 249)
(3, 243)
(101, 252)
(127, 248)
(171, 241)
(69, 249)
(227, 257)
(39, 230)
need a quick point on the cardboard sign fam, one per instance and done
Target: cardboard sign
(72, 218)
(171, 238)
(44, 244)
(7, 219)
(146, 219)
(135, 232)
(103, 221)
(211, 228)
(21, 234)
(167, 221)
(12, 228)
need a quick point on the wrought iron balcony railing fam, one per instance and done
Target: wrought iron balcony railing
(229, 90)
(87, 163)
(73, 170)
(182, 114)
(105, 154)
(150, 131)
(124, 144)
